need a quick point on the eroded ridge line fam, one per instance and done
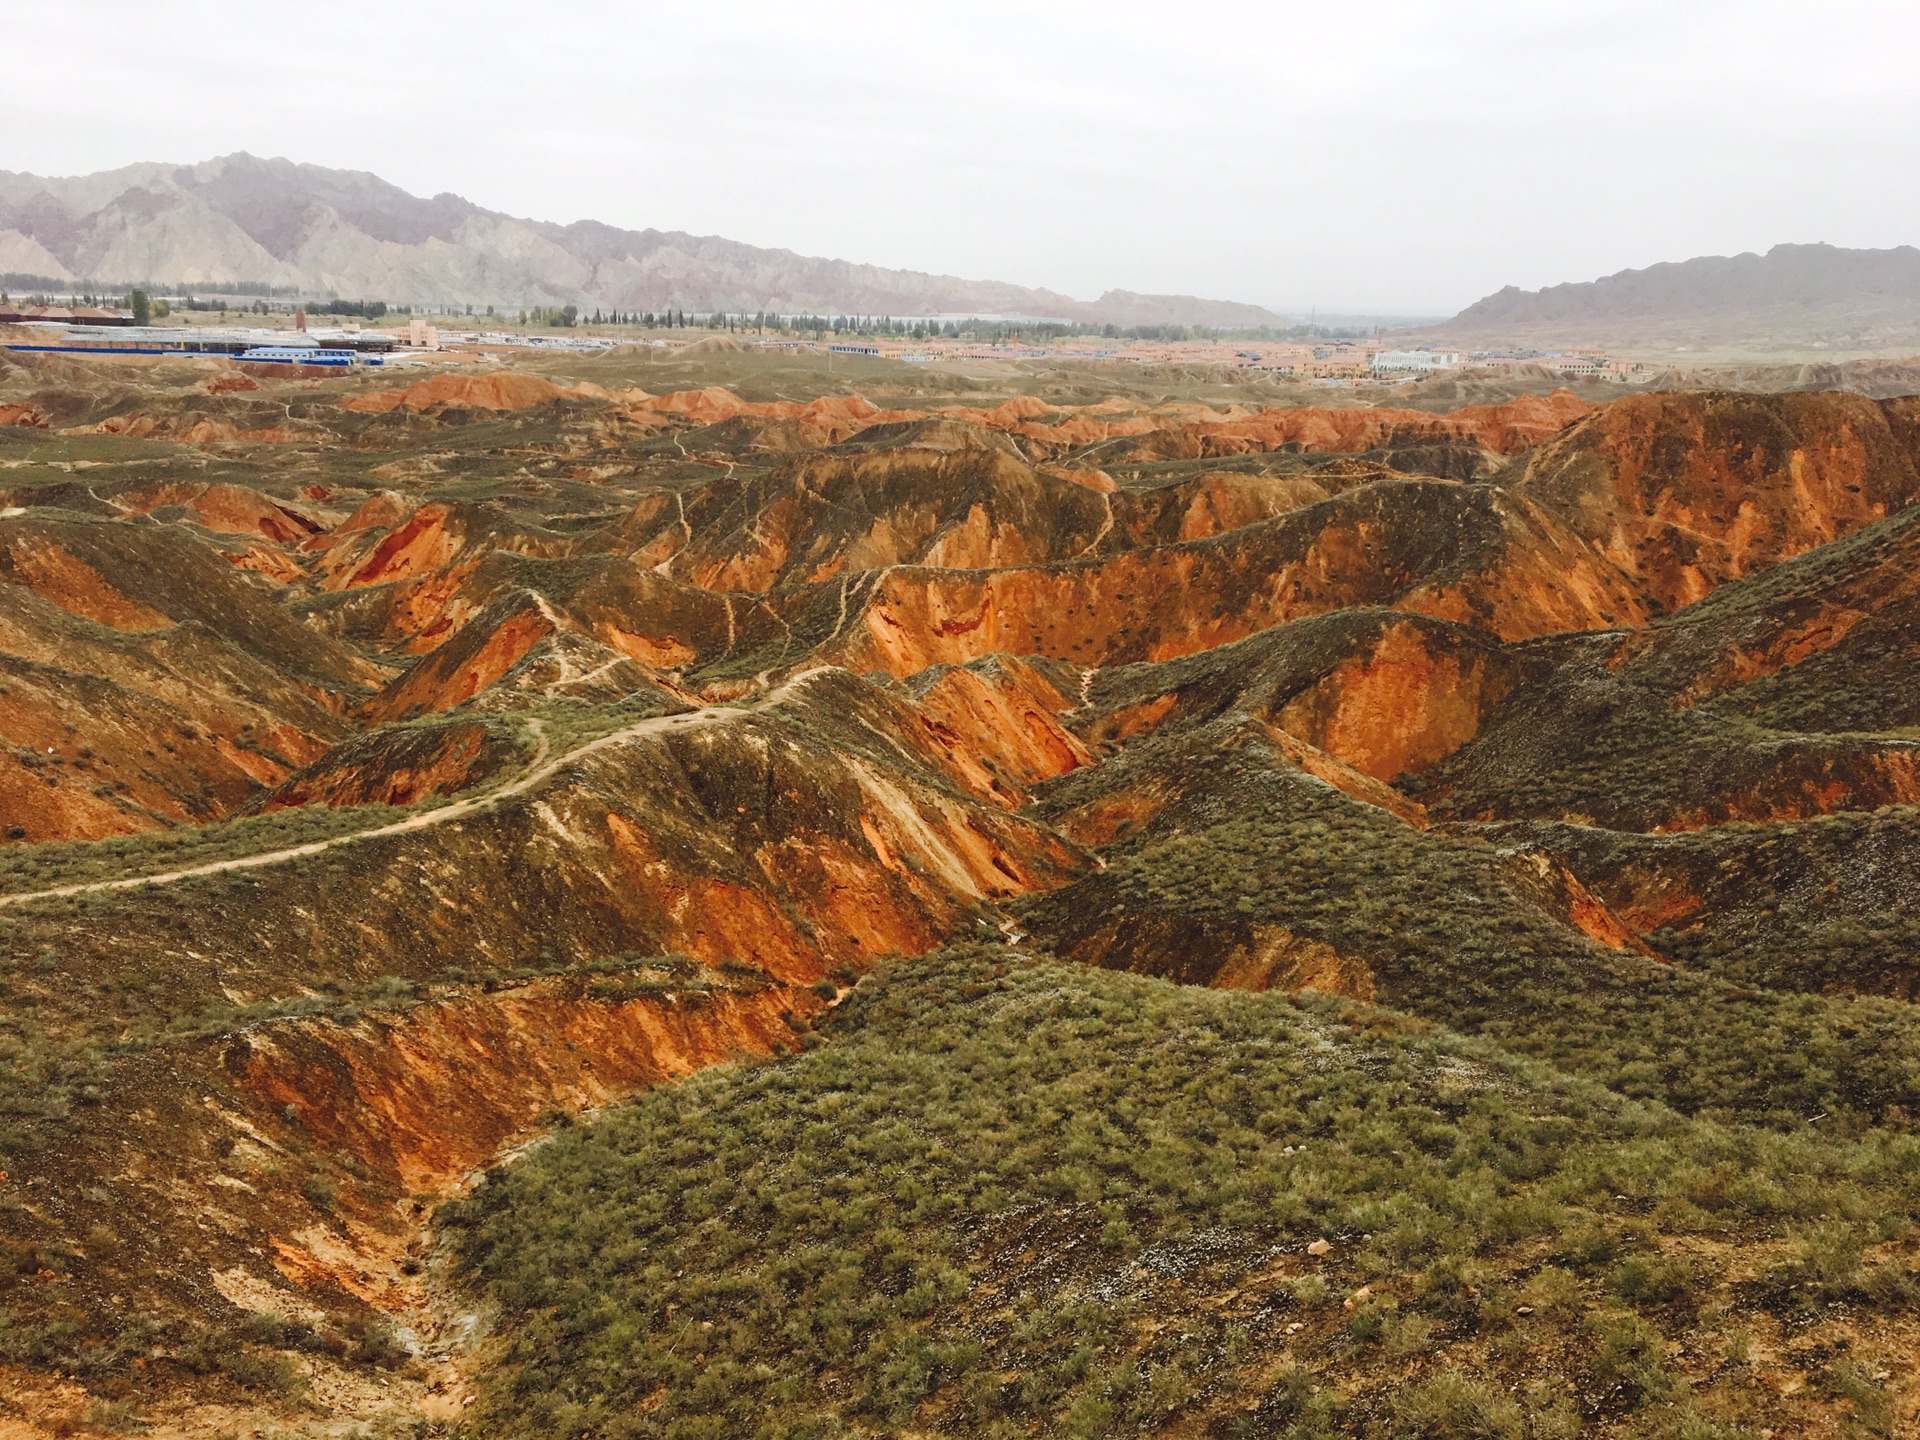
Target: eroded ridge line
(540, 771)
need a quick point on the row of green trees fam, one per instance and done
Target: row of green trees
(146, 309)
(766, 322)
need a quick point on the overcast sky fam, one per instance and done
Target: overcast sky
(1379, 157)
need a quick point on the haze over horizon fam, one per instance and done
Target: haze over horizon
(1288, 156)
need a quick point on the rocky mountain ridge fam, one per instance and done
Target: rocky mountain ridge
(322, 232)
(1792, 296)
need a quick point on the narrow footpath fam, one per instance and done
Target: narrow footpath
(539, 771)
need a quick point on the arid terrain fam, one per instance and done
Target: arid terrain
(734, 894)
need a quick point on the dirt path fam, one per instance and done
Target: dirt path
(539, 771)
(1106, 528)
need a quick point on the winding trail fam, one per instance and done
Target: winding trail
(1106, 528)
(665, 567)
(1086, 692)
(539, 770)
(873, 580)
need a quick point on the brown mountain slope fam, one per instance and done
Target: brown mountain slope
(815, 831)
(1791, 297)
(971, 510)
(1826, 904)
(1385, 692)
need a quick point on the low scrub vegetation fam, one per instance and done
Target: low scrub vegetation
(1001, 1196)
(1437, 921)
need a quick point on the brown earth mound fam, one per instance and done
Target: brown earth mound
(505, 391)
(230, 509)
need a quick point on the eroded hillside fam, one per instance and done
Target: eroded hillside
(394, 773)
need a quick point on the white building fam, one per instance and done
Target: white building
(1415, 361)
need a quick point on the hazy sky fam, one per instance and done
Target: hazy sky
(1378, 157)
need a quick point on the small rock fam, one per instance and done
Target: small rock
(1296, 1327)
(1524, 1310)
(1318, 1247)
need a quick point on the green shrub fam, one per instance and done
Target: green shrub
(1630, 1352)
(320, 1190)
(1452, 1406)
(1652, 1281)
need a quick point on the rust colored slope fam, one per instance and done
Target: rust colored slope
(1688, 490)
(815, 517)
(86, 758)
(150, 577)
(970, 507)
(1384, 692)
(804, 833)
(479, 653)
(1190, 431)
(50, 570)
(995, 727)
(228, 509)
(399, 766)
(389, 545)
(1409, 699)
(1788, 693)
(1505, 429)
(831, 417)
(1211, 504)
(201, 1157)
(1823, 641)
(1167, 431)
(427, 1097)
(1469, 554)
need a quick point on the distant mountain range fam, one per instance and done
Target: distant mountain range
(1792, 296)
(239, 220)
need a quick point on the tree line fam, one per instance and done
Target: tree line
(979, 329)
